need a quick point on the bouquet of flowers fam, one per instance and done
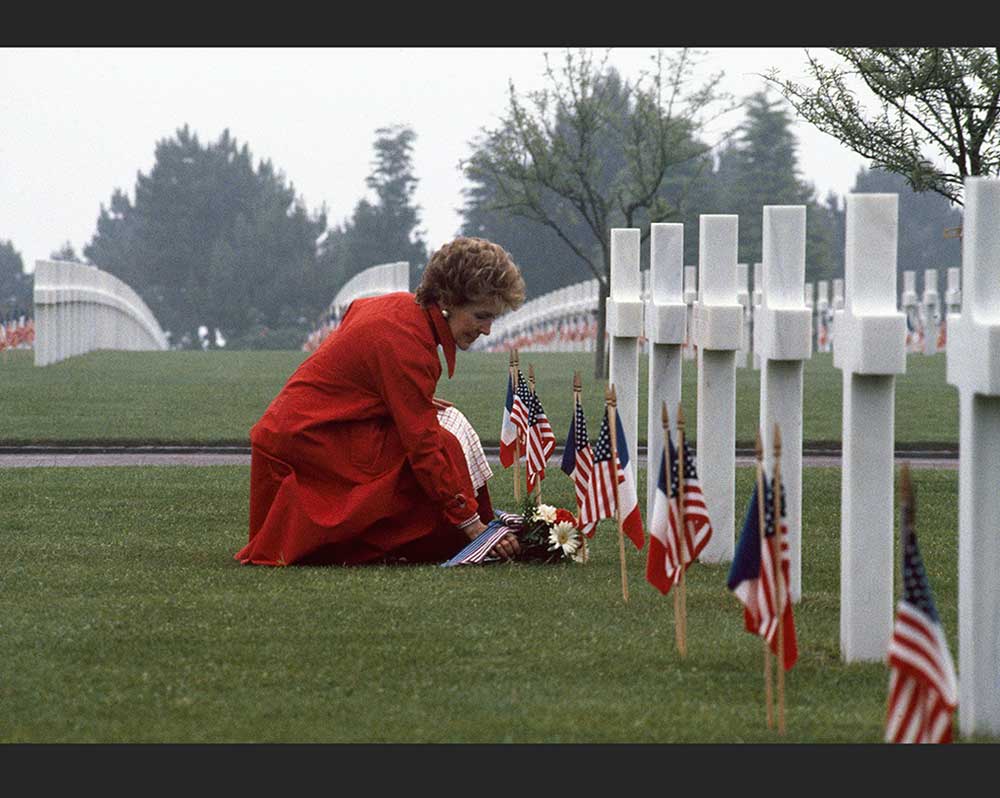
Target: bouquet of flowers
(546, 533)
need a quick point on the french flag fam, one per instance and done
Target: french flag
(508, 430)
(627, 495)
(662, 563)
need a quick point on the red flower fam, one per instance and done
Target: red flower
(565, 515)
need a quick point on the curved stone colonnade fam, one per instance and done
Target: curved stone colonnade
(385, 278)
(79, 308)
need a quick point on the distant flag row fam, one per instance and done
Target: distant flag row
(17, 333)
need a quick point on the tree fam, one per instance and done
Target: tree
(760, 167)
(546, 263)
(211, 240)
(936, 120)
(16, 287)
(65, 252)
(386, 230)
(547, 164)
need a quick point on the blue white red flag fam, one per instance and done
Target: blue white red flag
(630, 515)
(602, 491)
(508, 430)
(667, 549)
(663, 558)
(754, 576)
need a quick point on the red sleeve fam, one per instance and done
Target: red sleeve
(407, 378)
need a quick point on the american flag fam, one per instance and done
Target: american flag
(478, 548)
(753, 576)
(923, 691)
(665, 554)
(578, 463)
(697, 525)
(601, 499)
(508, 429)
(520, 403)
(513, 520)
(541, 441)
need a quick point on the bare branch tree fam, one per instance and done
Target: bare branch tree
(550, 161)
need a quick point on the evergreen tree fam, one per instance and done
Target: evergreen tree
(760, 167)
(66, 253)
(16, 287)
(211, 240)
(383, 231)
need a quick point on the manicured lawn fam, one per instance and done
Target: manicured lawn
(127, 620)
(215, 397)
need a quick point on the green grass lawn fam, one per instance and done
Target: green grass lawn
(215, 397)
(126, 620)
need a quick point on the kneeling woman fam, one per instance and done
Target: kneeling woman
(350, 463)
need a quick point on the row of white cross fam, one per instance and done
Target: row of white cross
(79, 308)
(564, 320)
(869, 348)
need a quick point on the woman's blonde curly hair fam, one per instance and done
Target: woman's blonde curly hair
(470, 270)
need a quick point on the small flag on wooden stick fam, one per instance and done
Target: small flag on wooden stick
(923, 692)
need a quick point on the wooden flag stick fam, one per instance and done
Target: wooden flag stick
(682, 531)
(577, 388)
(762, 525)
(531, 384)
(665, 417)
(517, 439)
(611, 403)
(779, 579)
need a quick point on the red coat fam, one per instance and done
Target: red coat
(349, 463)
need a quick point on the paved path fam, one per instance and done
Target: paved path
(41, 457)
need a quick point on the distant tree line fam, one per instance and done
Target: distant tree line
(209, 237)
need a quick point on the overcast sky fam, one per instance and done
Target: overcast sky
(78, 123)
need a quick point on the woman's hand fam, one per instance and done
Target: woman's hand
(507, 547)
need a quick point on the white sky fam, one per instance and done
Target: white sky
(77, 123)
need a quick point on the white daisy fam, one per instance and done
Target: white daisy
(544, 512)
(564, 536)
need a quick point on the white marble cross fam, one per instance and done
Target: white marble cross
(784, 340)
(624, 324)
(869, 336)
(822, 317)
(718, 329)
(953, 296)
(743, 298)
(755, 299)
(931, 308)
(974, 368)
(908, 302)
(666, 327)
(690, 297)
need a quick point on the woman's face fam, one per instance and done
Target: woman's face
(468, 322)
